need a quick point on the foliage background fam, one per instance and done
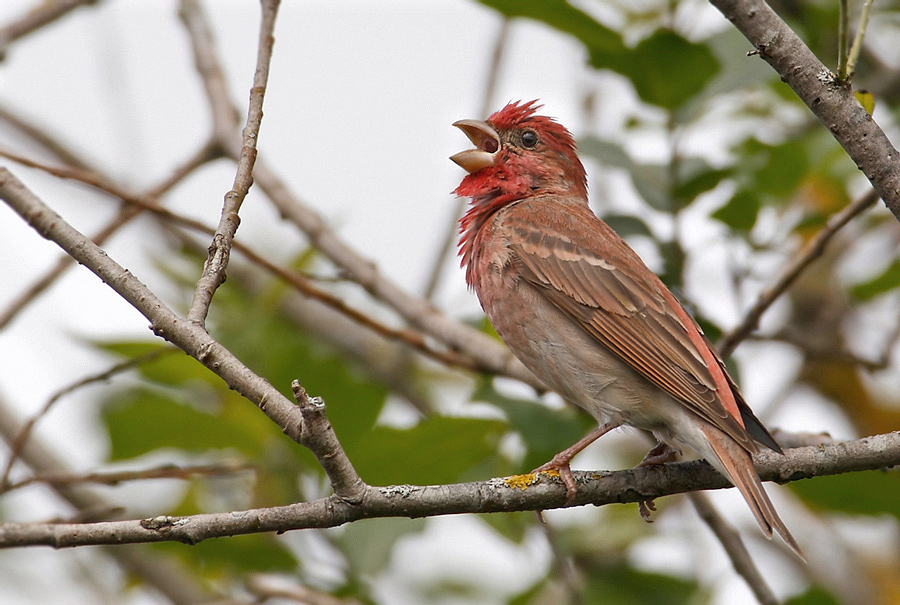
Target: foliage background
(695, 151)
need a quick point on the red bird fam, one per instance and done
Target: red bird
(580, 309)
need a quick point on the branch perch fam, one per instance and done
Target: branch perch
(518, 493)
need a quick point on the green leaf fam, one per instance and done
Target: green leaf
(175, 369)
(439, 449)
(700, 183)
(604, 45)
(667, 70)
(816, 595)
(863, 493)
(367, 544)
(626, 225)
(619, 584)
(607, 152)
(225, 557)
(143, 420)
(545, 432)
(888, 280)
(781, 167)
(740, 212)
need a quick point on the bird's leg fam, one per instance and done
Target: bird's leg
(560, 462)
(660, 454)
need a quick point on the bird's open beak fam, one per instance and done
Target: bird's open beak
(486, 141)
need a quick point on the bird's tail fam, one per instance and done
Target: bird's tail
(738, 466)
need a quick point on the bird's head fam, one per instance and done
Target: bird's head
(517, 155)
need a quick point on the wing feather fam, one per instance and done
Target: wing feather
(628, 315)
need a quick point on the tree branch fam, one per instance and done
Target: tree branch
(220, 248)
(830, 101)
(517, 493)
(791, 271)
(185, 334)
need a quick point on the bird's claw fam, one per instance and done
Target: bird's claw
(565, 473)
(646, 507)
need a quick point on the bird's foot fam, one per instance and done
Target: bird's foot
(646, 507)
(560, 465)
(660, 454)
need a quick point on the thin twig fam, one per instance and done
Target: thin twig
(734, 547)
(220, 248)
(300, 282)
(830, 101)
(169, 471)
(205, 154)
(450, 234)
(810, 252)
(490, 354)
(185, 334)
(856, 47)
(43, 13)
(319, 437)
(45, 140)
(843, 29)
(19, 442)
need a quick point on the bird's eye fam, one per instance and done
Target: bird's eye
(529, 139)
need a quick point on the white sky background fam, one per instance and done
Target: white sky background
(358, 109)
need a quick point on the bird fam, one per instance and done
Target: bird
(580, 309)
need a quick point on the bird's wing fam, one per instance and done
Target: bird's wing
(629, 312)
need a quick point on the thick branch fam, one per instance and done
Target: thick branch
(519, 493)
(831, 102)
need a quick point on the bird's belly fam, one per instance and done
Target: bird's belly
(569, 360)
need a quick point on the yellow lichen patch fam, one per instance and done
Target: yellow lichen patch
(521, 481)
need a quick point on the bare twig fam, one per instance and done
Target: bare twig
(184, 334)
(163, 575)
(169, 471)
(205, 154)
(447, 244)
(16, 444)
(319, 437)
(220, 248)
(487, 352)
(830, 101)
(40, 15)
(734, 547)
(523, 492)
(810, 252)
(303, 284)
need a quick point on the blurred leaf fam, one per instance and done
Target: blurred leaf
(620, 584)
(667, 70)
(254, 329)
(143, 420)
(545, 432)
(225, 557)
(626, 225)
(866, 99)
(863, 493)
(609, 153)
(781, 167)
(740, 212)
(652, 184)
(887, 281)
(700, 183)
(173, 369)
(367, 544)
(816, 595)
(438, 450)
(604, 45)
